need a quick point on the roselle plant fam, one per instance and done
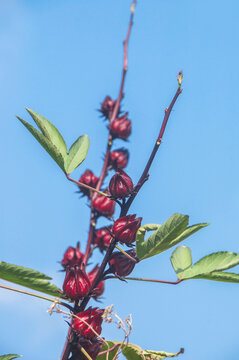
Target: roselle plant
(124, 240)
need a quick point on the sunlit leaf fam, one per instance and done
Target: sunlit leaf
(181, 259)
(29, 278)
(77, 153)
(9, 356)
(46, 144)
(173, 231)
(134, 352)
(50, 131)
(218, 261)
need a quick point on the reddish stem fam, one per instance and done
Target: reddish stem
(145, 175)
(86, 186)
(112, 118)
(67, 348)
(157, 281)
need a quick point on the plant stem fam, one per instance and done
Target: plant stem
(86, 186)
(153, 280)
(126, 254)
(111, 247)
(35, 295)
(145, 175)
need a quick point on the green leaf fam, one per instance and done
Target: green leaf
(218, 261)
(77, 153)
(46, 144)
(49, 131)
(181, 259)
(15, 270)
(157, 355)
(28, 278)
(220, 276)
(167, 235)
(134, 352)
(9, 356)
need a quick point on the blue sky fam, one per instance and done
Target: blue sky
(61, 59)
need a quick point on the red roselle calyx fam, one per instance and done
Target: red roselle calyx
(76, 284)
(118, 159)
(121, 185)
(72, 256)
(107, 107)
(88, 178)
(99, 289)
(102, 238)
(120, 264)
(125, 228)
(103, 205)
(92, 347)
(120, 127)
(88, 322)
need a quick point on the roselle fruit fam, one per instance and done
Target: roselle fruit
(99, 289)
(92, 317)
(120, 127)
(102, 238)
(107, 107)
(121, 185)
(118, 159)
(125, 228)
(88, 178)
(76, 284)
(72, 256)
(92, 347)
(103, 205)
(120, 264)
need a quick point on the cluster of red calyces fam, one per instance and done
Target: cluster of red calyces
(87, 327)
(77, 283)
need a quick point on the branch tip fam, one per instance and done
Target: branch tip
(132, 7)
(180, 78)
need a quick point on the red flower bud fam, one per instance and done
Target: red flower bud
(103, 205)
(118, 159)
(99, 289)
(120, 264)
(120, 127)
(76, 284)
(102, 238)
(72, 256)
(88, 178)
(88, 322)
(120, 185)
(107, 107)
(125, 228)
(92, 347)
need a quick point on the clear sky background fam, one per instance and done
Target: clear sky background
(61, 58)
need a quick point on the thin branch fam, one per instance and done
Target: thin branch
(36, 295)
(109, 142)
(126, 254)
(145, 174)
(86, 186)
(109, 350)
(156, 281)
